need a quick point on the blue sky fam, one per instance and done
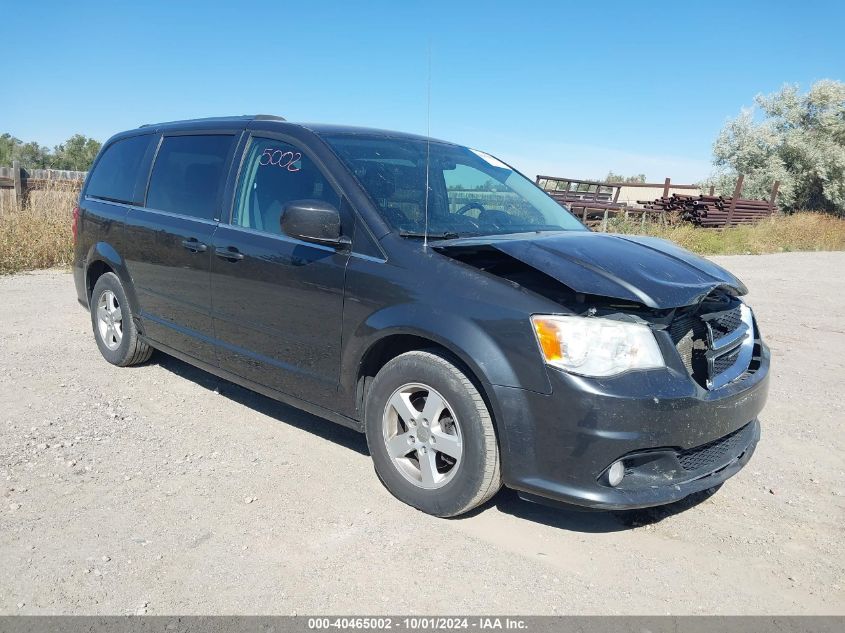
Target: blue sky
(567, 88)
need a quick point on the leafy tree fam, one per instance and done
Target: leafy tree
(613, 177)
(796, 138)
(76, 153)
(8, 149)
(33, 156)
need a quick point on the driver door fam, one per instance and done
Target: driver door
(277, 302)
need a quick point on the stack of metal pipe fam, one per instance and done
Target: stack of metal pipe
(712, 211)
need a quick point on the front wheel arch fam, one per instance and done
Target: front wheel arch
(390, 346)
(478, 474)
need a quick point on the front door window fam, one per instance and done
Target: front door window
(275, 174)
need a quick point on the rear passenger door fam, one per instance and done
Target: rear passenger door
(278, 301)
(168, 241)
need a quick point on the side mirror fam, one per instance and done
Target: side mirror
(313, 221)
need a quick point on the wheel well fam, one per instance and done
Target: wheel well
(95, 271)
(388, 348)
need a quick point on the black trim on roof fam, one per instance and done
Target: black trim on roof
(222, 119)
(265, 121)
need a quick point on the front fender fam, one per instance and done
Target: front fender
(510, 358)
(492, 362)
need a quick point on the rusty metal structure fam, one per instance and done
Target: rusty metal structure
(593, 201)
(596, 201)
(712, 211)
(717, 211)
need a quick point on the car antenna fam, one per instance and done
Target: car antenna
(427, 145)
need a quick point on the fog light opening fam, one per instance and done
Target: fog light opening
(615, 473)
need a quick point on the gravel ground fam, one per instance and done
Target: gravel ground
(161, 489)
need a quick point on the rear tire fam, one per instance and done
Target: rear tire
(114, 324)
(431, 436)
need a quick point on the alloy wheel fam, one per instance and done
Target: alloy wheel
(422, 436)
(109, 320)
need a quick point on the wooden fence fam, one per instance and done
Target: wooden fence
(17, 184)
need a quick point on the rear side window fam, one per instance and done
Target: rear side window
(188, 174)
(121, 173)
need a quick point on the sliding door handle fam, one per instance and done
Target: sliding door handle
(231, 253)
(194, 245)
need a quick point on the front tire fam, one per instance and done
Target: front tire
(431, 435)
(114, 324)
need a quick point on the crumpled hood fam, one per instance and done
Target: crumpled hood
(648, 270)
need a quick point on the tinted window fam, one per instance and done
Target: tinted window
(188, 174)
(275, 173)
(121, 173)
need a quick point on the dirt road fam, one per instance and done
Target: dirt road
(161, 489)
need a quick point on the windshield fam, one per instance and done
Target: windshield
(470, 192)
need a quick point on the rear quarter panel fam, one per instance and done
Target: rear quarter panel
(100, 238)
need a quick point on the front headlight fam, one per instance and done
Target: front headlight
(596, 347)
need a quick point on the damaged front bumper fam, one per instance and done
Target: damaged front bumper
(675, 437)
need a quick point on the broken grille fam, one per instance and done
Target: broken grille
(726, 322)
(715, 341)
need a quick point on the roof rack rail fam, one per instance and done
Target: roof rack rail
(247, 117)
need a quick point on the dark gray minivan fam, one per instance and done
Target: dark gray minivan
(430, 296)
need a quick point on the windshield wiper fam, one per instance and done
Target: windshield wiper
(443, 235)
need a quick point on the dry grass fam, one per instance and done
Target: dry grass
(39, 235)
(799, 232)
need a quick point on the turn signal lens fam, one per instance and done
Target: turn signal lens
(547, 335)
